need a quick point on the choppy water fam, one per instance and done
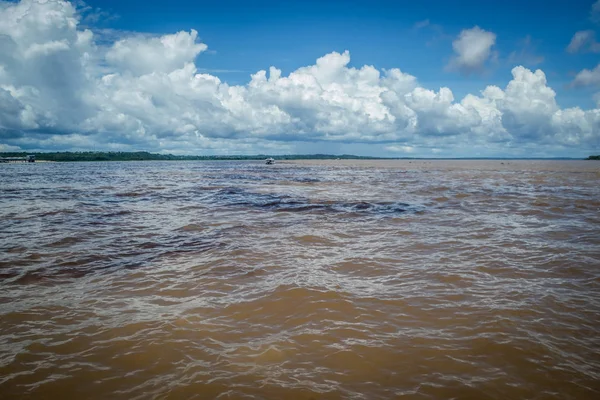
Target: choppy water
(312, 280)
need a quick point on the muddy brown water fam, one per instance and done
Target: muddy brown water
(339, 279)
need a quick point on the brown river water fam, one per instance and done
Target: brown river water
(420, 279)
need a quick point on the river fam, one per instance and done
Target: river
(339, 279)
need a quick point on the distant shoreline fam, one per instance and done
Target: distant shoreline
(146, 156)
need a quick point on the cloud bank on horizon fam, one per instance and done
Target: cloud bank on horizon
(62, 88)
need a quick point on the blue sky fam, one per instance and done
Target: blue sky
(447, 54)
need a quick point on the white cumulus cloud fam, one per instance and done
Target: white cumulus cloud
(588, 77)
(472, 48)
(141, 55)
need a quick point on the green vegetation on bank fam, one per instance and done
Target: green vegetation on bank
(143, 155)
(593, 158)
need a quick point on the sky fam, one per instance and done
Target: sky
(398, 78)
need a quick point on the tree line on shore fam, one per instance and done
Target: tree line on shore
(144, 155)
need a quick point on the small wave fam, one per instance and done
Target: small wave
(56, 212)
(130, 194)
(193, 228)
(306, 180)
(66, 242)
(117, 213)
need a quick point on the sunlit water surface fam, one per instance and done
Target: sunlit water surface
(300, 280)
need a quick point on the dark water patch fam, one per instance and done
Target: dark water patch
(6, 275)
(119, 213)
(306, 180)
(57, 212)
(66, 242)
(29, 278)
(15, 249)
(58, 271)
(131, 194)
(150, 245)
(239, 197)
(107, 258)
(88, 204)
(377, 208)
(25, 189)
(49, 276)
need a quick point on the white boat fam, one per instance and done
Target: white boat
(270, 161)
